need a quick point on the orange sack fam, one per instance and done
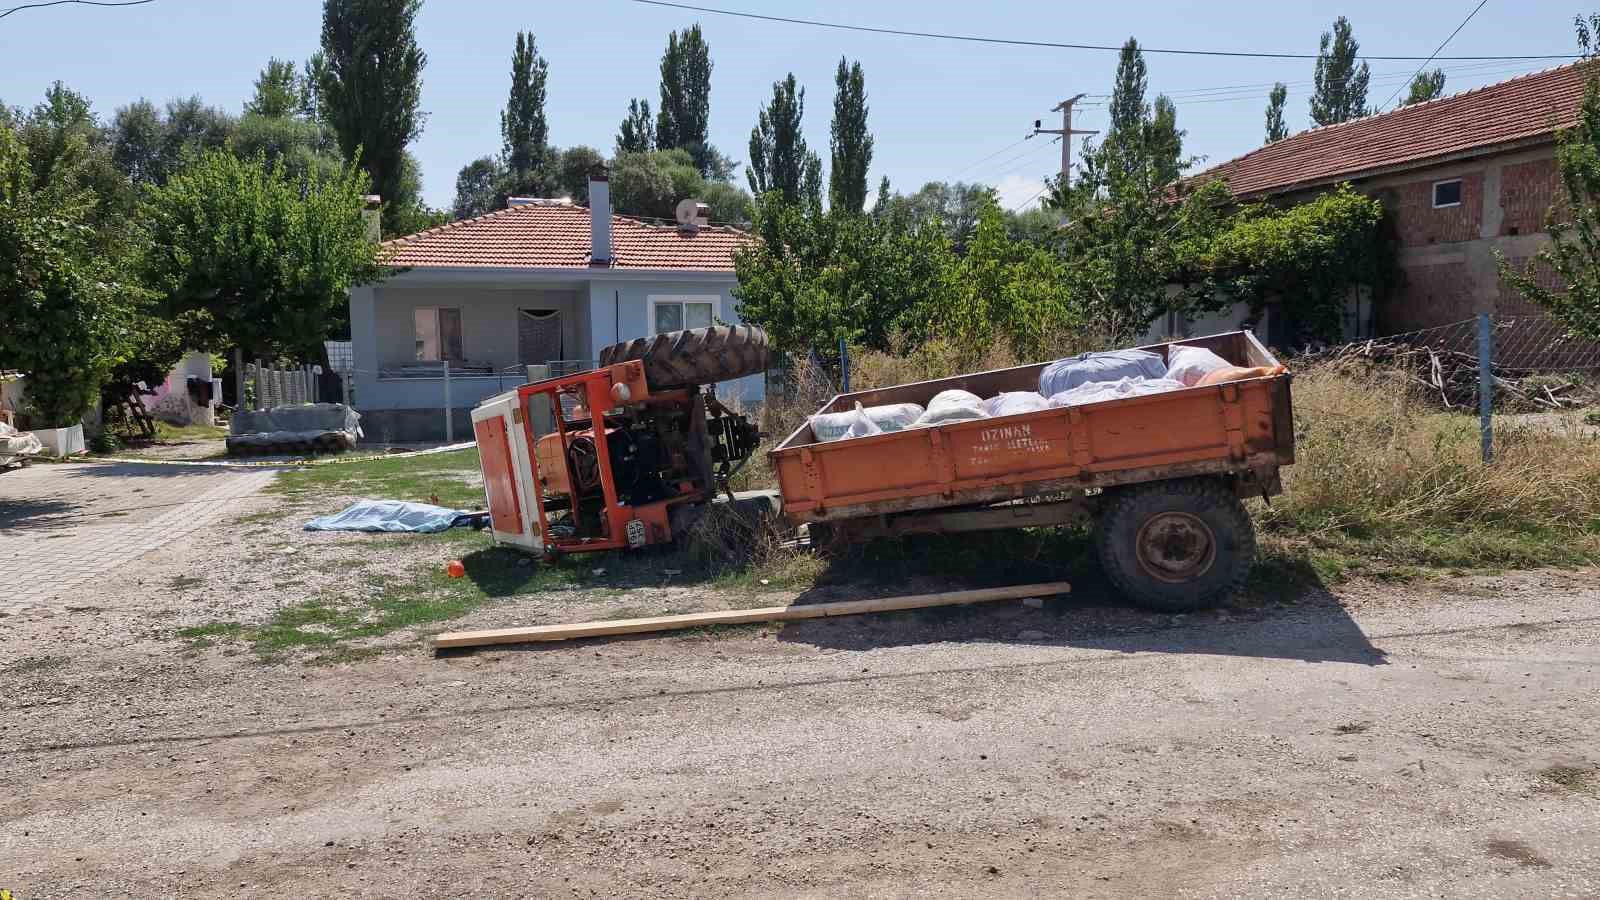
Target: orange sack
(1239, 373)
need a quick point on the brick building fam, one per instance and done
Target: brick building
(1464, 176)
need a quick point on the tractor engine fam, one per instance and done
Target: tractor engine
(681, 445)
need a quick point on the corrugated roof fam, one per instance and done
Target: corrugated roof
(535, 236)
(1521, 109)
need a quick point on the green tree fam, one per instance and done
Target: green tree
(478, 187)
(1564, 277)
(266, 259)
(779, 158)
(955, 207)
(524, 132)
(303, 146)
(636, 134)
(685, 113)
(1276, 130)
(279, 92)
(1341, 85)
(815, 277)
(1427, 86)
(569, 171)
(1164, 141)
(1004, 289)
(851, 141)
(66, 310)
(652, 184)
(370, 90)
(1128, 110)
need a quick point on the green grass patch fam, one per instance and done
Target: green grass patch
(451, 477)
(327, 626)
(166, 432)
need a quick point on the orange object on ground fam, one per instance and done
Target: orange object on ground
(1240, 373)
(455, 569)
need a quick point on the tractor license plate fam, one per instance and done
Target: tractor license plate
(635, 532)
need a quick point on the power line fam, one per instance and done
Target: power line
(1435, 53)
(64, 2)
(969, 165)
(1474, 69)
(1064, 46)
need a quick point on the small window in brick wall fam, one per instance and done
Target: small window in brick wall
(1447, 193)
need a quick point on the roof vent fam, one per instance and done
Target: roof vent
(538, 201)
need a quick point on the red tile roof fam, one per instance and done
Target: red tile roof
(1522, 109)
(538, 236)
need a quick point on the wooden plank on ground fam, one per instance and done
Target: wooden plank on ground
(741, 616)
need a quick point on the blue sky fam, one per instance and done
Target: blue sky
(937, 107)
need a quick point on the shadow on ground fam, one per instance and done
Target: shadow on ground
(44, 513)
(1287, 613)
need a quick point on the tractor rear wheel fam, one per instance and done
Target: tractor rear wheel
(1176, 546)
(696, 356)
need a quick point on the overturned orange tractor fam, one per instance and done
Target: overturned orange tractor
(626, 455)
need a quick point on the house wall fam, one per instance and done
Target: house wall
(597, 308)
(621, 311)
(488, 321)
(1447, 257)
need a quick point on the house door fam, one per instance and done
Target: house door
(538, 336)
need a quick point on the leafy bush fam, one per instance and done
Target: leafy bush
(64, 308)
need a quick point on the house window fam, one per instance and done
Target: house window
(438, 333)
(678, 313)
(1446, 193)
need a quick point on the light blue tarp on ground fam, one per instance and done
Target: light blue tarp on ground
(390, 515)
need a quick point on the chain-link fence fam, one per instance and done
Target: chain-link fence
(1509, 365)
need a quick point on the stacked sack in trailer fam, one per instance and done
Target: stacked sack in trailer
(1074, 381)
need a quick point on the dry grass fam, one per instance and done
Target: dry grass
(1383, 476)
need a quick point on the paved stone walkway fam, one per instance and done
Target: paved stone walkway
(64, 525)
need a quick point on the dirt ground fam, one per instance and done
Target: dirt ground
(1435, 739)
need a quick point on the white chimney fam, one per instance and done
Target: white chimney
(599, 217)
(371, 216)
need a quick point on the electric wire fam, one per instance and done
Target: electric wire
(1061, 45)
(1481, 4)
(24, 6)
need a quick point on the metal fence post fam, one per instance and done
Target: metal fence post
(449, 422)
(1486, 385)
(844, 366)
(344, 386)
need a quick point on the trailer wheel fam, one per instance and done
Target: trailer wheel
(697, 356)
(1177, 545)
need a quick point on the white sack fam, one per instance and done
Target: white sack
(1190, 364)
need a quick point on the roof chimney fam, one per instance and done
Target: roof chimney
(371, 216)
(599, 217)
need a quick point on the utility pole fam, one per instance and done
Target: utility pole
(1066, 132)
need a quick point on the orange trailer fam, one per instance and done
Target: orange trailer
(1159, 475)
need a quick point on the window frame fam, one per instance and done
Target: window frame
(715, 301)
(439, 335)
(1433, 193)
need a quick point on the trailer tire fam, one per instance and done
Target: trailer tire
(1175, 546)
(679, 359)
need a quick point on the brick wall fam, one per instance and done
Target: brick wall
(1526, 191)
(1428, 296)
(1511, 303)
(1418, 224)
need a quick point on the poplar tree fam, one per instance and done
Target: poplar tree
(1276, 130)
(1341, 85)
(524, 131)
(852, 142)
(685, 112)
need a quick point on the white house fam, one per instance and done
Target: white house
(542, 282)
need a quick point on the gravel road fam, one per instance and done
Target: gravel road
(1433, 740)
